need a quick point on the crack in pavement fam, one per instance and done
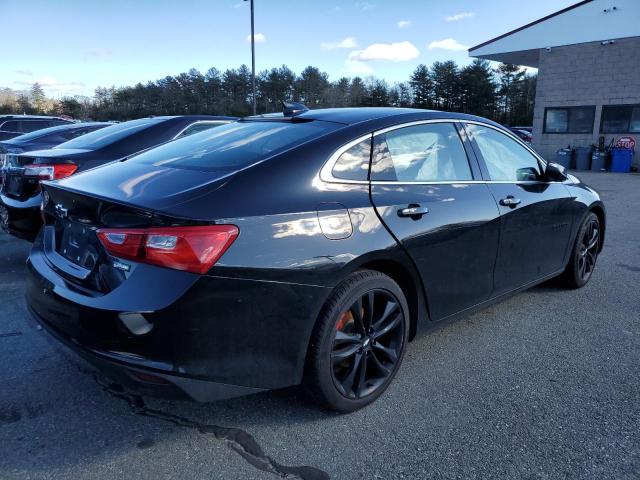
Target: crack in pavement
(10, 334)
(237, 439)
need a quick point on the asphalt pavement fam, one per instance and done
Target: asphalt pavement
(543, 385)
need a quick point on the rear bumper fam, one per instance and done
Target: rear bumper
(146, 379)
(211, 337)
(21, 219)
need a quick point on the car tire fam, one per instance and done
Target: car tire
(584, 253)
(353, 358)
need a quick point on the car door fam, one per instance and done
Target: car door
(428, 192)
(535, 214)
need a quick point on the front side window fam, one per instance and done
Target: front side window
(430, 152)
(33, 125)
(569, 120)
(234, 145)
(353, 164)
(505, 158)
(620, 119)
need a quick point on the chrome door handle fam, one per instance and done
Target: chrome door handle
(510, 201)
(414, 211)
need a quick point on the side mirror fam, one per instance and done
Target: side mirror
(555, 172)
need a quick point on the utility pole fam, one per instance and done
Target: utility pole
(253, 59)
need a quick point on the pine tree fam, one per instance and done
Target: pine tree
(38, 98)
(422, 87)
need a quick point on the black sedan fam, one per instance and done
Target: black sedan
(48, 137)
(23, 172)
(306, 248)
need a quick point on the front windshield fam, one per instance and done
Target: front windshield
(108, 135)
(235, 145)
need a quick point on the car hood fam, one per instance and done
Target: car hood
(146, 186)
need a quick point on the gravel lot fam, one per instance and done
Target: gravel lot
(543, 385)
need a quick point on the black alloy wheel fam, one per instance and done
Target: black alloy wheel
(366, 343)
(585, 253)
(358, 343)
(588, 249)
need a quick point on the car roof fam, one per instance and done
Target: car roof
(191, 117)
(388, 115)
(33, 117)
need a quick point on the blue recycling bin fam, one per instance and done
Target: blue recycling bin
(621, 160)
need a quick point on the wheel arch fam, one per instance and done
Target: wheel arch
(598, 209)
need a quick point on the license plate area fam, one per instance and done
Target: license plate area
(76, 242)
(13, 185)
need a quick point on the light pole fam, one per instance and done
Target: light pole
(253, 60)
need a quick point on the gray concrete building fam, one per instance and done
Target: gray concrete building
(588, 61)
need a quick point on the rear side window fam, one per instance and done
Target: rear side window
(353, 164)
(505, 158)
(108, 135)
(10, 126)
(234, 145)
(422, 153)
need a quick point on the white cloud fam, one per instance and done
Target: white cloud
(26, 73)
(356, 67)
(259, 38)
(459, 16)
(403, 23)
(365, 6)
(53, 86)
(395, 52)
(348, 42)
(447, 44)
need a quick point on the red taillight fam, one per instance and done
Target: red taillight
(194, 249)
(50, 172)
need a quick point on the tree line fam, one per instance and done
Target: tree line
(505, 93)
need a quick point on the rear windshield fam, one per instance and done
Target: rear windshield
(27, 137)
(108, 135)
(233, 146)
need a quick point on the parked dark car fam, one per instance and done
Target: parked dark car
(521, 134)
(48, 137)
(22, 173)
(16, 125)
(301, 249)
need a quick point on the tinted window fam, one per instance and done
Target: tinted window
(33, 125)
(569, 120)
(620, 119)
(505, 158)
(430, 152)
(27, 137)
(10, 126)
(107, 136)
(234, 145)
(353, 164)
(199, 127)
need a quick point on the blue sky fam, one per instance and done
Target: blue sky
(73, 46)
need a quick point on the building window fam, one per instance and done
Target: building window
(569, 119)
(620, 119)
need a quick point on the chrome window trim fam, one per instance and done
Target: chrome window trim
(326, 174)
(219, 122)
(510, 135)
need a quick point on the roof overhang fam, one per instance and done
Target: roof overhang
(527, 58)
(583, 22)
